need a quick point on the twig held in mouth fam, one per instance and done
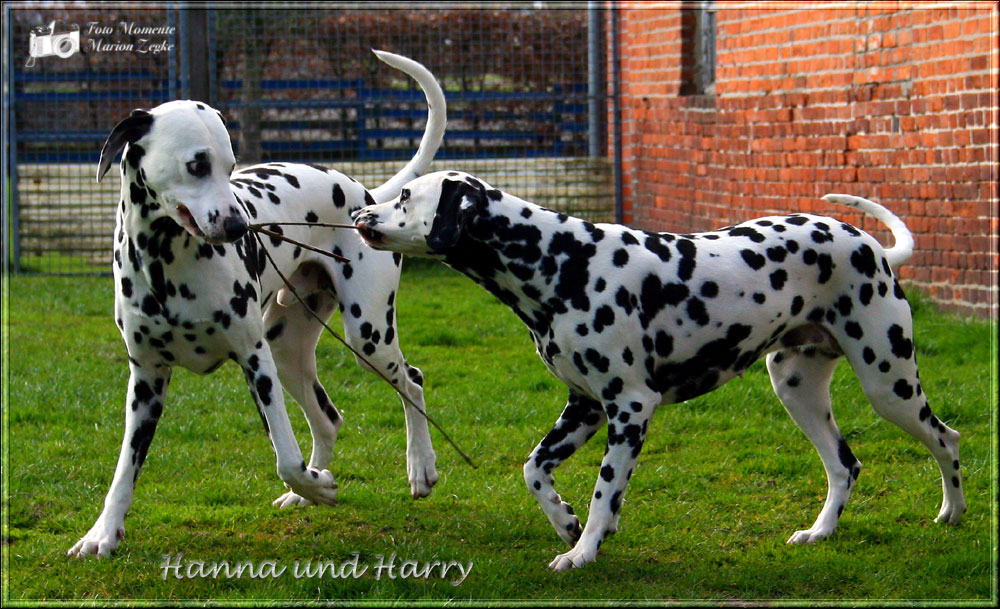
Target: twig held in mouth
(258, 231)
(258, 228)
(315, 224)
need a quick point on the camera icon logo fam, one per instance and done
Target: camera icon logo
(45, 43)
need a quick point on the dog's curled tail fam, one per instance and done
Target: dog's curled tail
(433, 132)
(901, 251)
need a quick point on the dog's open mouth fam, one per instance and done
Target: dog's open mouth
(187, 221)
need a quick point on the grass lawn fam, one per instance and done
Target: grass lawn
(722, 482)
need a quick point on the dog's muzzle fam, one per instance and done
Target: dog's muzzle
(233, 227)
(365, 223)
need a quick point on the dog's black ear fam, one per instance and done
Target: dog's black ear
(458, 204)
(128, 131)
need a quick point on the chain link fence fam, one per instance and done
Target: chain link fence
(300, 84)
(61, 110)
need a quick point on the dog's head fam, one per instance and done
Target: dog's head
(428, 217)
(177, 164)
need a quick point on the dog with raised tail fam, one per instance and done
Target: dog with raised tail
(194, 288)
(630, 319)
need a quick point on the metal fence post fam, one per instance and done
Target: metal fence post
(11, 225)
(211, 59)
(172, 83)
(616, 76)
(194, 39)
(597, 69)
(250, 112)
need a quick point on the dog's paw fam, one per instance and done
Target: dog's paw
(317, 486)
(100, 541)
(574, 559)
(566, 523)
(290, 499)
(809, 536)
(950, 514)
(571, 531)
(422, 477)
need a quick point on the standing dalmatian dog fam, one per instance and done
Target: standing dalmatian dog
(195, 289)
(630, 319)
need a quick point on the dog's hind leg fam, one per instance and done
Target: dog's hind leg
(581, 418)
(366, 289)
(147, 391)
(884, 359)
(801, 379)
(293, 334)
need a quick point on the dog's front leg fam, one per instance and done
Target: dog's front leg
(312, 483)
(581, 418)
(627, 425)
(147, 391)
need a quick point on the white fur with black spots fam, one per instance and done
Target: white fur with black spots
(194, 289)
(630, 319)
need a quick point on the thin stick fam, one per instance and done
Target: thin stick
(257, 229)
(359, 356)
(317, 224)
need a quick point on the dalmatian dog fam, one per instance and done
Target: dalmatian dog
(194, 288)
(630, 319)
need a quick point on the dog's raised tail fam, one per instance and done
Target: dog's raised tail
(433, 132)
(902, 249)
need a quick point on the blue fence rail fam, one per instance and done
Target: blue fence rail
(44, 92)
(548, 123)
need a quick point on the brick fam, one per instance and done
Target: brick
(799, 111)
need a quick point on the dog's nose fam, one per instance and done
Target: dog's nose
(234, 227)
(362, 217)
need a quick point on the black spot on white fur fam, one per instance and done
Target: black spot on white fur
(616, 312)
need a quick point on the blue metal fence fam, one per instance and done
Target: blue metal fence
(30, 142)
(372, 107)
(295, 85)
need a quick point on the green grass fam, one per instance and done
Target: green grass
(722, 482)
(59, 263)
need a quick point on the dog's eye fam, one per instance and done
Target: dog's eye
(404, 195)
(199, 167)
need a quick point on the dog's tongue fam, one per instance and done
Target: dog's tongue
(187, 221)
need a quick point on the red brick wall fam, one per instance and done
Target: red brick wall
(893, 101)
